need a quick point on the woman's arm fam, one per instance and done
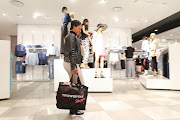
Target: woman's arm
(84, 31)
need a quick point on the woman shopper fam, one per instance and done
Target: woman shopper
(145, 55)
(85, 37)
(72, 55)
(66, 24)
(153, 50)
(99, 47)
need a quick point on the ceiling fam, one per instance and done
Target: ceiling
(135, 14)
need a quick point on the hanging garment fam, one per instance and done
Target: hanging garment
(52, 50)
(123, 66)
(42, 58)
(20, 68)
(160, 62)
(20, 50)
(129, 52)
(32, 59)
(51, 69)
(114, 57)
(122, 56)
(130, 68)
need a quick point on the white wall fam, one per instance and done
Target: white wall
(46, 35)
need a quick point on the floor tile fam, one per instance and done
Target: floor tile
(174, 107)
(7, 103)
(129, 97)
(160, 113)
(93, 107)
(141, 103)
(167, 94)
(29, 102)
(127, 115)
(3, 109)
(18, 118)
(94, 116)
(115, 105)
(164, 101)
(50, 110)
(21, 111)
(53, 117)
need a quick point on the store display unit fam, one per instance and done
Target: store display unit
(160, 82)
(5, 69)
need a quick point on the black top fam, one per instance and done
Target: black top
(83, 36)
(129, 52)
(72, 50)
(138, 61)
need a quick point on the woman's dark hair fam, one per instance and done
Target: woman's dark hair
(75, 23)
(84, 23)
(64, 8)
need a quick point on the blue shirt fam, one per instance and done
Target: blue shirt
(66, 19)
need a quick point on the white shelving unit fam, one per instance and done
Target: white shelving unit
(160, 82)
(5, 69)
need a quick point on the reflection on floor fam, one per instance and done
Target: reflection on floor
(129, 101)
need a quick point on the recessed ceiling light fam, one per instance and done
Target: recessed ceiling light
(36, 15)
(3, 14)
(116, 19)
(117, 9)
(171, 35)
(146, 21)
(156, 30)
(82, 17)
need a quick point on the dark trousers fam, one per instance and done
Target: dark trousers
(154, 64)
(146, 65)
(64, 32)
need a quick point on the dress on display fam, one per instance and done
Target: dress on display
(99, 45)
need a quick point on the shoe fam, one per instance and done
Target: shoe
(145, 73)
(76, 112)
(102, 76)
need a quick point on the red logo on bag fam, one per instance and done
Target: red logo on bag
(79, 101)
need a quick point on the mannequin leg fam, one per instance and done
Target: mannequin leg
(102, 67)
(102, 64)
(96, 65)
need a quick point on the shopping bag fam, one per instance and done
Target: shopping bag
(71, 96)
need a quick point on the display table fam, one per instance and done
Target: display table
(160, 82)
(94, 84)
(5, 69)
(98, 84)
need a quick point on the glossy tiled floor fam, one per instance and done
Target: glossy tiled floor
(129, 101)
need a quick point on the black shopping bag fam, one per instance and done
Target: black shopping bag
(71, 96)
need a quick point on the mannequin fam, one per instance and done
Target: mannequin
(153, 48)
(99, 48)
(145, 54)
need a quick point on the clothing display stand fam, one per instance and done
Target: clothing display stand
(161, 82)
(98, 84)
(5, 69)
(119, 73)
